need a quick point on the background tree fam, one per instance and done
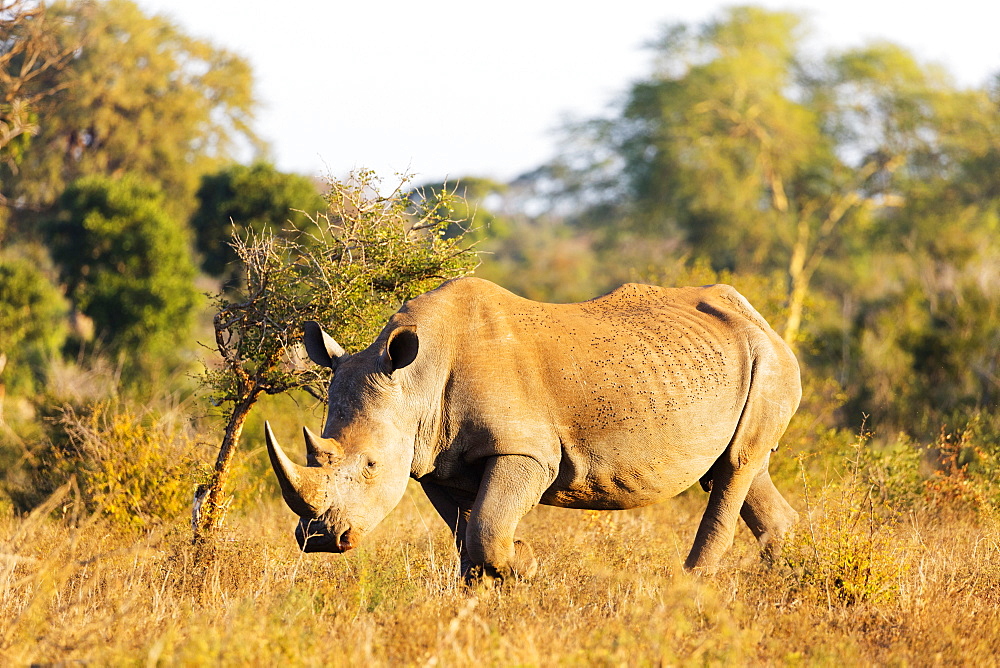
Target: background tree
(922, 290)
(370, 254)
(30, 55)
(127, 265)
(146, 98)
(31, 58)
(250, 201)
(716, 149)
(534, 254)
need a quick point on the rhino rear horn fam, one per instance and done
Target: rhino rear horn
(303, 488)
(317, 447)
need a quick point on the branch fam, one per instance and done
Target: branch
(840, 208)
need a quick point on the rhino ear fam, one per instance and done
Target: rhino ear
(401, 348)
(320, 346)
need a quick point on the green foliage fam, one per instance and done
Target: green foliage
(369, 255)
(897, 472)
(17, 125)
(849, 546)
(376, 252)
(33, 321)
(141, 96)
(711, 145)
(538, 256)
(550, 263)
(30, 56)
(966, 469)
(126, 265)
(466, 200)
(847, 556)
(930, 349)
(250, 201)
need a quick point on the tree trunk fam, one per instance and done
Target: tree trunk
(796, 299)
(210, 503)
(798, 287)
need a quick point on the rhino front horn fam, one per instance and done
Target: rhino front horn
(303, 488)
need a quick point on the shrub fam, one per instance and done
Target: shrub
(966, 474)
(136, 468)
(959, 472)
(897, 473)
(846, 548)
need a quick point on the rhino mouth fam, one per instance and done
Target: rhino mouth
(319, 539)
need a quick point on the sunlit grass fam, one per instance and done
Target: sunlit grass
(610, 591)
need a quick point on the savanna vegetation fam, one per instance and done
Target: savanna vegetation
(853, 197)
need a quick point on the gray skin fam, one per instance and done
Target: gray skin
(495, 403)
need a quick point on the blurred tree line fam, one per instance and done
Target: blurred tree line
(863, 186)
(852, 197)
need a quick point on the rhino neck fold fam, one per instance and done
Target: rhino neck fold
(432, 394)
(427, 440)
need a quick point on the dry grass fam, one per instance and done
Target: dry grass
(610, 592)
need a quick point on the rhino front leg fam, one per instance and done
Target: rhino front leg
(455, 512)
(511, 486)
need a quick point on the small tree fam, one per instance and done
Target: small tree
(370, 254)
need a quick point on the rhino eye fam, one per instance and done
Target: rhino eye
(370, 468)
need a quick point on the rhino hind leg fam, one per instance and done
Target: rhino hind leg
(718, 525)
(739, 482)
(765, 511)
(768, 514)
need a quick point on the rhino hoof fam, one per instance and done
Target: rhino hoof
(522, 567)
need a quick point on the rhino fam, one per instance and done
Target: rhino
(495, 404)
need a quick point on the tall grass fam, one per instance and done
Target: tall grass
(861, 582)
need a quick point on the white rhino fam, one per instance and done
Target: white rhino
(495, 403)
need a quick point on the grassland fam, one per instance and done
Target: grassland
(868, 579)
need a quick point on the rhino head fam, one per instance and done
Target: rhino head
(356, 473)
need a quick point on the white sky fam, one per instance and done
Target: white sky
(449, 88)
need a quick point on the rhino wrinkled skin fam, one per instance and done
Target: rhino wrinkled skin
(495, 403)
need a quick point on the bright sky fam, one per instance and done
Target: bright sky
(453, 88)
